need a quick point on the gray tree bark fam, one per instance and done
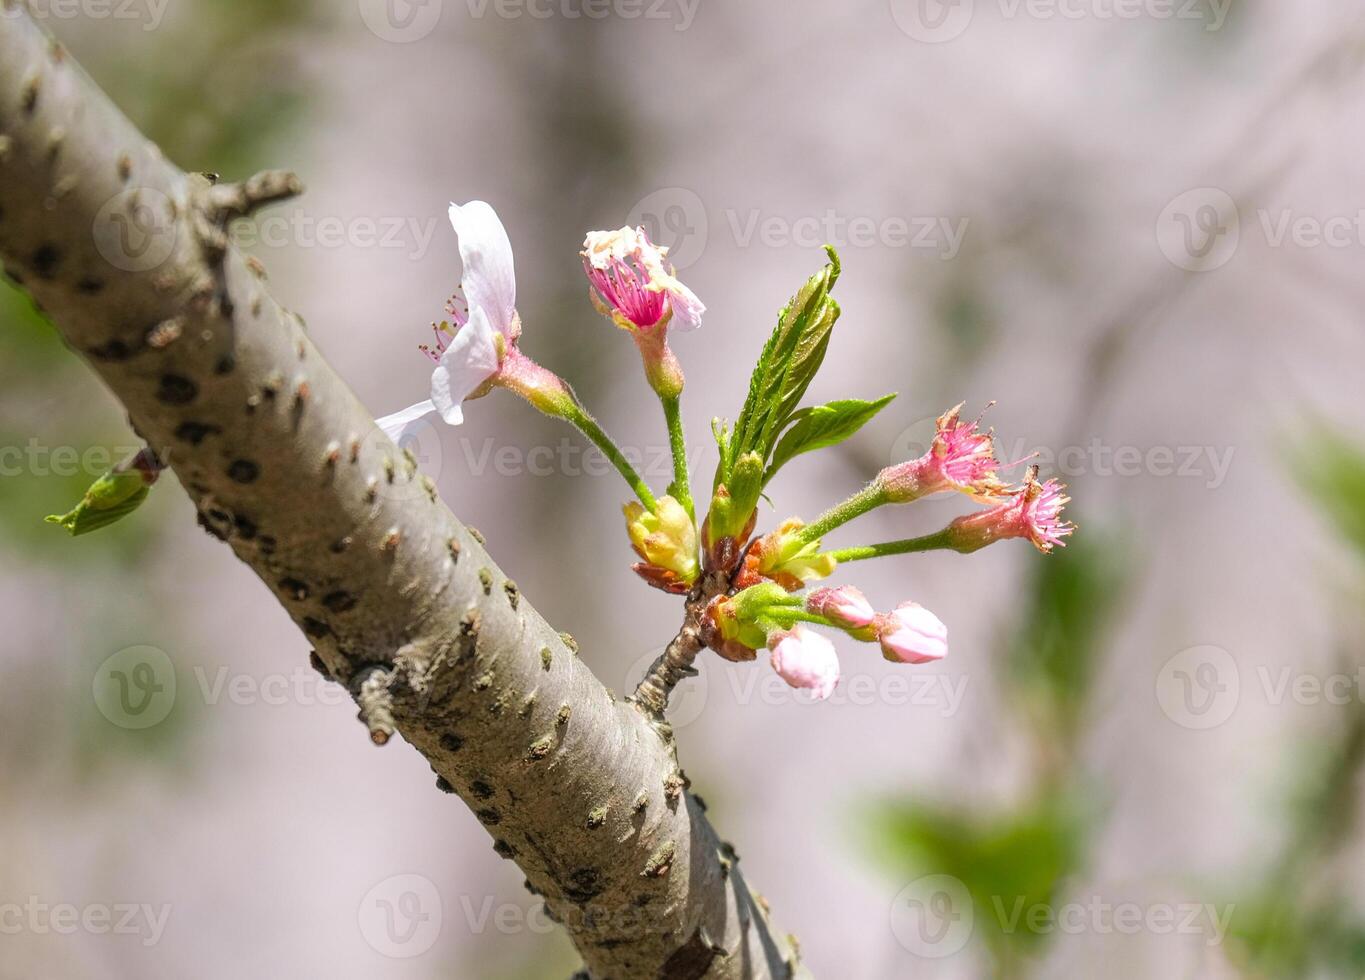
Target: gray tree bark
(129, 257)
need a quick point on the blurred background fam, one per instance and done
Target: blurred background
(1137, 225)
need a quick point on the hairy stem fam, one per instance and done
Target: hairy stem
(677, 442)
(586, 424)
(869, 498)
(929, 542)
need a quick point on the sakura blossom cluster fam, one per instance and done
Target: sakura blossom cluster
(744, 591)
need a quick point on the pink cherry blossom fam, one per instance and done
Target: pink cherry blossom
(960, 458)
(634, 284)
(912, 635)
(1033, 511)
(805, 660)
(846, 606)
(471, 349)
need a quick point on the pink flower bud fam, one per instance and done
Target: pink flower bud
(846, 606)
(805, 659)
(912, 635)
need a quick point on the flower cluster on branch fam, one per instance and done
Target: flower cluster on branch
(761, 601)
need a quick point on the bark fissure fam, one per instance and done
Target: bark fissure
(129, 258)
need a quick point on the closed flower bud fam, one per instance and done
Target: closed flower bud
(845, 606)
(805, 660)
(786, 559)
(912, 635)
(666, 541)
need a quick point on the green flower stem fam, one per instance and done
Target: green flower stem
(678, 443)
(869, 498)
(929, 542)
(586, 424)
(786, 617)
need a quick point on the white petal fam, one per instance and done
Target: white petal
(393, 425)
(687, 308)
(469, 361)
(489, 282)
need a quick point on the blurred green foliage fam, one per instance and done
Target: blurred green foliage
(1009, 860)
(1332, 471)
(1019, 856)
(1053, 654)
(1295, 920)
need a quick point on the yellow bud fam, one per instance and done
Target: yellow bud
(666, 539)
(784, 558)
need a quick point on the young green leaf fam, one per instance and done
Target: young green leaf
(787, 364)
(113, 496)
(86, 517)
(823, 426)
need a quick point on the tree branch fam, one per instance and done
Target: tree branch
(128, 256)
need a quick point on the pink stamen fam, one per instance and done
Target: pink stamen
(625, 288)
